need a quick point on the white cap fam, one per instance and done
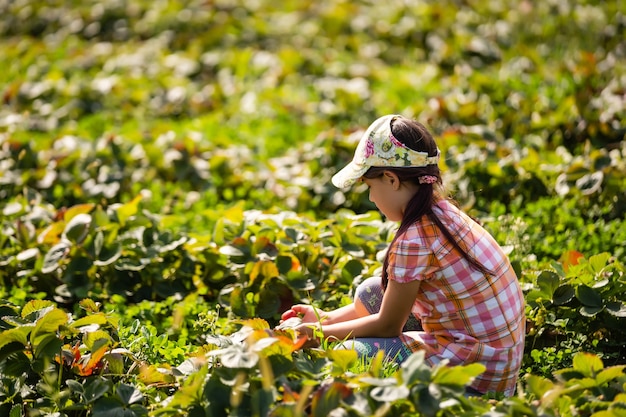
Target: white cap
(379, 148)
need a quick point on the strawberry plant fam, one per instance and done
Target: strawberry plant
(576, 307)
(53, 362)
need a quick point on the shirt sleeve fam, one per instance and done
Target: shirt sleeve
(410, 259)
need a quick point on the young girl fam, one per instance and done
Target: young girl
(446, 288)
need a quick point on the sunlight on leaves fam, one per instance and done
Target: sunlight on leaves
(126, 211)
(587, 364)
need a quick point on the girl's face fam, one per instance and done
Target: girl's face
(390, 195)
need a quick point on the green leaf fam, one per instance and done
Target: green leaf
(36, 306)
(299, 281)
(616, 309)
(428, 400)
(55, 255)
(7, 308)
(548, 282)
(51, 234)
(79, 265)
(281, 364)
(17, 411)
(284, 264)
(264, 269)
(230, 250)
(89, 305)
(27, 254)
(100, 217)
(47, 347)
(48, 325)
(291, 233)
(342, 358)
(379, 382)
(17, 334)
(599, 262)
(110, 407)
(609, 374)
(262, 401)
(564, 294)
(128, 264)
(269, 303)
(590, 183)
(77, 210)
(415, 369)
(352, 268)
(95, 339)
(457, 375)
(538, 385)
(327, 399)
(171, 246)
(255, 324)
(152, 375)
(588, 296)
(191, 388)
(389, 394)
(115, 363)
(234, 297)
(108, 255)
(77, 228)
(236, 357)
(587, 364)
(590, 311)
(218, 232)
(97, 318)
(17, 363)
(128, 394)
(75, 386)
(353, 249)
(98, 243)
(611, 412)
(126, 211)
(95, 388)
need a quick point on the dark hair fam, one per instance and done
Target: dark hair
(415, 136)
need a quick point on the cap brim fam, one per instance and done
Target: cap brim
(352, 172)
(349, 175)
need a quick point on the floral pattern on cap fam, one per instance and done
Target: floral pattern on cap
(378, 147)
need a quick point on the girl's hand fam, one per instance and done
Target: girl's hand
(289, 314)
(308, 331)
(307, 313)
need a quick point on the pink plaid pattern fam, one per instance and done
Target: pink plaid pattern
(467, 317)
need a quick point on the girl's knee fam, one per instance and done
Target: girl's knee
(369, 295)
(368, 286)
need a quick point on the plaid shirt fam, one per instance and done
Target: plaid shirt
(466, 316)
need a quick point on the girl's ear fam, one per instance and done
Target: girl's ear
(392, 179)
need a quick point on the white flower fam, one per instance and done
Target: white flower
(385, 149)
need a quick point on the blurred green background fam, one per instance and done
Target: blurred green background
(197, 105)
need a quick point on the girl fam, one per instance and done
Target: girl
(446, 288)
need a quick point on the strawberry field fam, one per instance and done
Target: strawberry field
(165, 194)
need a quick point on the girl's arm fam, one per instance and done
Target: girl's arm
(310, 314)
(396, 306)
